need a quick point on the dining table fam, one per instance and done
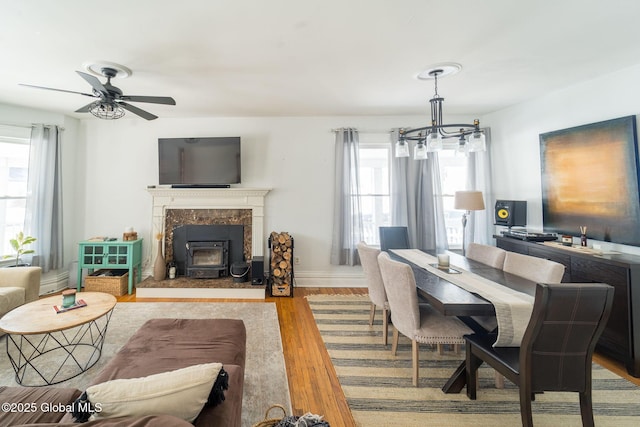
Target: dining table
(450, 299)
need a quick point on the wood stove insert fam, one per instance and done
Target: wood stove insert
(207, 260)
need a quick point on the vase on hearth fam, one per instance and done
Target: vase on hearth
(159, 266)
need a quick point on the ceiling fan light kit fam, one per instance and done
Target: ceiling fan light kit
(106, 111)
(468, 137)
(111, 103)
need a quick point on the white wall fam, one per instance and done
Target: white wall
(72, 166)
(292, 156)
(515, 134)
(107, 166)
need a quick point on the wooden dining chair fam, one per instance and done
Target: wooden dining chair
(395, 237)
(377, 294)
(421, 323)
(539, 270)
(557, 346)
(485, 254)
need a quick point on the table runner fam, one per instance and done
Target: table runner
(513, 308)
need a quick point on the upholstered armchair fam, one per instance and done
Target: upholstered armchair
(18, 285)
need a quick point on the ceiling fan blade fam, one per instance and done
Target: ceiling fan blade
(85, 109)
(167, 100)
(94, 82)
(138, 111)
(58, 90)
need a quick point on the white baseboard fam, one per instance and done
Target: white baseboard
(315, 279)
(321, 279)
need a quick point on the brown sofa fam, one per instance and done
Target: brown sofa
(160, 345)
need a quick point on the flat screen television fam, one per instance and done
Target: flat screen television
(590, 178)
(199, 162)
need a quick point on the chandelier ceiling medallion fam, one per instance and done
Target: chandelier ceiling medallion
(465, 138)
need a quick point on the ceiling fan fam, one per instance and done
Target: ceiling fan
(111, 101)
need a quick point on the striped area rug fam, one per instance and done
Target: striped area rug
(379, 390)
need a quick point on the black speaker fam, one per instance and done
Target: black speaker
(510, 213)
(257, 270)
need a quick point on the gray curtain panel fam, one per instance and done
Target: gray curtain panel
(480, 226)
(44, 196)
(347, 215)
(416, 200)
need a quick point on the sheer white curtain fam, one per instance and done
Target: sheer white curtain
(43, 218)
(347, 216)
(416, 201)
(480, 226)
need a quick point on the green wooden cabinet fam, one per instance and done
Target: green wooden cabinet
(117, 254)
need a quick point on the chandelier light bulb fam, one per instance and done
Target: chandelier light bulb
(402, 149)
(463, 146)
(420, 151)
(434, 141)
(477, 142)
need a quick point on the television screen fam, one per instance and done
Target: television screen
(590, 179)
(199, 161)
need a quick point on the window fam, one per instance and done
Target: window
(453, 177)
(14, 171)
(375, 188)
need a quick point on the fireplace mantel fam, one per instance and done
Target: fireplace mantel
(212, 198)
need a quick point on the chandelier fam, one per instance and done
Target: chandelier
(107, 110)
(464, 138)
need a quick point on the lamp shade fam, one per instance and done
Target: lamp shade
(468, 200)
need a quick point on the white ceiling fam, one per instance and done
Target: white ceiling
(312, 57)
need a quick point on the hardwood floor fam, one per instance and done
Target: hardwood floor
(313, 383)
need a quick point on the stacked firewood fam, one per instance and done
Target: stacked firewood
(281, 264)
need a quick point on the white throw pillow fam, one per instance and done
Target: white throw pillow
(181, 393)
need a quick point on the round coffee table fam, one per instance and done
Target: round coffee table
(46, 347)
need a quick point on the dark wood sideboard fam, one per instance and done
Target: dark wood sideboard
(621, 337)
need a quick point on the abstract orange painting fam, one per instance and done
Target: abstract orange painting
(590, 178)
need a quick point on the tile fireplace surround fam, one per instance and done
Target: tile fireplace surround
(209, 206)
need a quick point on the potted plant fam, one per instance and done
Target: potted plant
(18, 244)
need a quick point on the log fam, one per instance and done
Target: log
(281, 267)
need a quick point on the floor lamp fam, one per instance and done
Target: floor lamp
(467, 201)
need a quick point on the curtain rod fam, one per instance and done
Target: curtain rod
(363, 131)
(28, 126)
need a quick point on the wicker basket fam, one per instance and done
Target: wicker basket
(117, 283)
(270, 422)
